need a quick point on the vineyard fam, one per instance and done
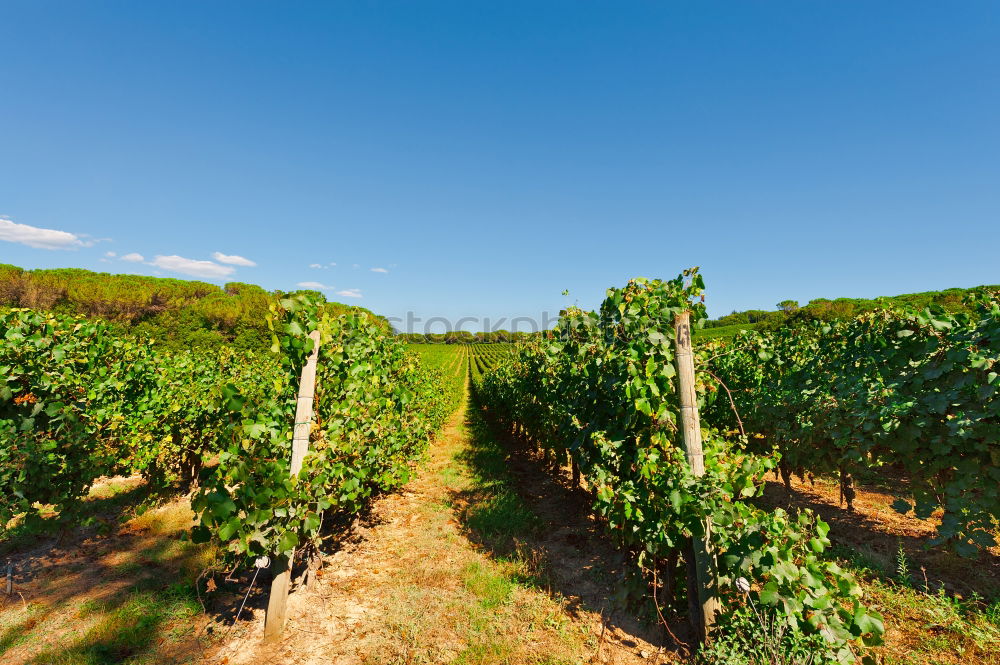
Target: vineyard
(598, 404)
(451, 362)
(602, 389)
(484, 357)
(81, 402)
(915, 392)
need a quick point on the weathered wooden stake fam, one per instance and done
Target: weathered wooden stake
(274, 621)
(704, 560)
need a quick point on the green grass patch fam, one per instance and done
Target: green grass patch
(488, 652)
(451, 477)
(128, 630)
(494, 510)
(491, 587)
(502, 516)
(722, 332)
(19, 632)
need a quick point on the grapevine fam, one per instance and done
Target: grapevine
(601, 387)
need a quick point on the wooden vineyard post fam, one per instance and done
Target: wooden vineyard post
(704, 560)
(274, 621)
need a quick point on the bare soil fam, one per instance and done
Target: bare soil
(878, 532)
(415, 584)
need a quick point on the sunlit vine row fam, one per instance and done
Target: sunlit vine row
(918, 391)
(602, 388)
(79, 400)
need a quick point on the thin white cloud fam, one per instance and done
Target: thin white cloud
(111, 255)
(193, 267)
(233, 259)
(382, 270)
(39, 238)
(316, 265)
(332, 263)
(356, 266)
(315, 286)
(134, 257)
(350, 293)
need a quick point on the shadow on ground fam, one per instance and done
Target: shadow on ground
(874, 534)
(116, 591)
(516, 509)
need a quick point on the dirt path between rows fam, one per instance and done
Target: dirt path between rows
(443, 572)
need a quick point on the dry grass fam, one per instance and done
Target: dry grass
(419, 583)
(121, 597)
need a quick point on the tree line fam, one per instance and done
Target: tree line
(824, 309)
(175, 313)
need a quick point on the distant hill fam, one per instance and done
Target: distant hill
(952, 300)
(175, 312)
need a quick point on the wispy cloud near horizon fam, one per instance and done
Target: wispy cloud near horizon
(40, 238)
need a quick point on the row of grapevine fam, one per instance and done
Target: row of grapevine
(375, 410)
(916, 390)
(602, 388)
(79, 400)
(483, 357)
(452, 364)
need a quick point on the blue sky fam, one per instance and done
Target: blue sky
(489, 155)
